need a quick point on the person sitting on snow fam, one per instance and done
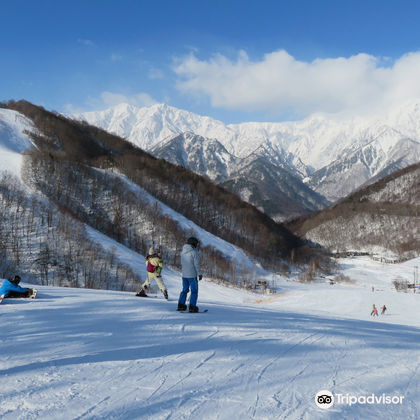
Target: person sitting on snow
(11, 289)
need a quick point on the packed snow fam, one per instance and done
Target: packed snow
(90, 354)
(13, 140)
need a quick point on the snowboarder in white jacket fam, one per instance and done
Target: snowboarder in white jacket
(191, 270)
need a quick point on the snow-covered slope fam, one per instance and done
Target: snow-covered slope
(316, 143)
(263, 178)
(206, 239)
(367, 164)
(204, 156)
(146, 127)
(88, 354)
(13, 140)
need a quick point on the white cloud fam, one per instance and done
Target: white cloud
(156, 74)
(71, 109)
(116, 57)
(108, 100)
(140, 99)
(356, 84)
(86, 42)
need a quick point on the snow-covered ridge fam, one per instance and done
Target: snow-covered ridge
(334, 156)
(206, 239)
(317, 140)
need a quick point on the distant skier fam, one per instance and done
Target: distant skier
(383, 309)
(374, 311)
(190, 262)
(11, 289)
(154, 264)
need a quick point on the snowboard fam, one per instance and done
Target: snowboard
(33, 295)
(199, 312)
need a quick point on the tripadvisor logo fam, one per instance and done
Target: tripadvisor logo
(324, 399)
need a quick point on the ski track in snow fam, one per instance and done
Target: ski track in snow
(87, 354)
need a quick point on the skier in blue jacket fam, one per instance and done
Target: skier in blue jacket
(11, 289)
(190, 262)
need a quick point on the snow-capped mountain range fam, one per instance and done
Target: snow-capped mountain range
(325, 157)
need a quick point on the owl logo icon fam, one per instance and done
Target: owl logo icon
(324, 399)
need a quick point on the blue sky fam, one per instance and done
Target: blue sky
(232, 60)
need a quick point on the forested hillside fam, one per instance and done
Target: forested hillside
(91, 177)
(49, 246)
(383, 218)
